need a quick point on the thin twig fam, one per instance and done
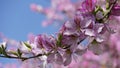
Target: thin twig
(22, 58)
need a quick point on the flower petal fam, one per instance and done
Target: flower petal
(68, 59)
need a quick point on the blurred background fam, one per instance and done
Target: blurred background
(17, 20)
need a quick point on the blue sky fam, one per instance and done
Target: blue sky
(17, 20)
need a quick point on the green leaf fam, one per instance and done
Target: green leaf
(19, 52)
(27, 45)
(107, 1)
(14, 53)
(107, 5)
(3, 49)
(98, 8)
(59, 40)
(0, 50)
(60, 37)
(94, 42)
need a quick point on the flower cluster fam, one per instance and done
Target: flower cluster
(82, 39)
(59, 11)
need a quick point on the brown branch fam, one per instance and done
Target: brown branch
(22, 58)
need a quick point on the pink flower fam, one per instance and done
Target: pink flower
(31, 38)
(45, 42)
(10, 65)
(88, 5)
(55, 57)
(35, 7)
(46, 23)
(116, 10)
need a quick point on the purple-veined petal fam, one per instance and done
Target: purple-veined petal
(99, 38)
(51, 58)
(98, 28)
(80, 52)
(87, 22)
(38, 41)
(68, 59)
(59, 58)
(71, 28)
(116, 10)
(88, 5)
(89, 32)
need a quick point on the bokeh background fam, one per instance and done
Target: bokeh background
(17, 20)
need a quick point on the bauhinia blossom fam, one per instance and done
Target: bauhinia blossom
(88, 24)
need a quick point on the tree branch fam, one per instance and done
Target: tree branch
(22, 58)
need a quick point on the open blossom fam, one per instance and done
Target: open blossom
(49, 12)
(79, 42)
(45, 42)
(59, 10)
(86, 25)
(88, 5)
